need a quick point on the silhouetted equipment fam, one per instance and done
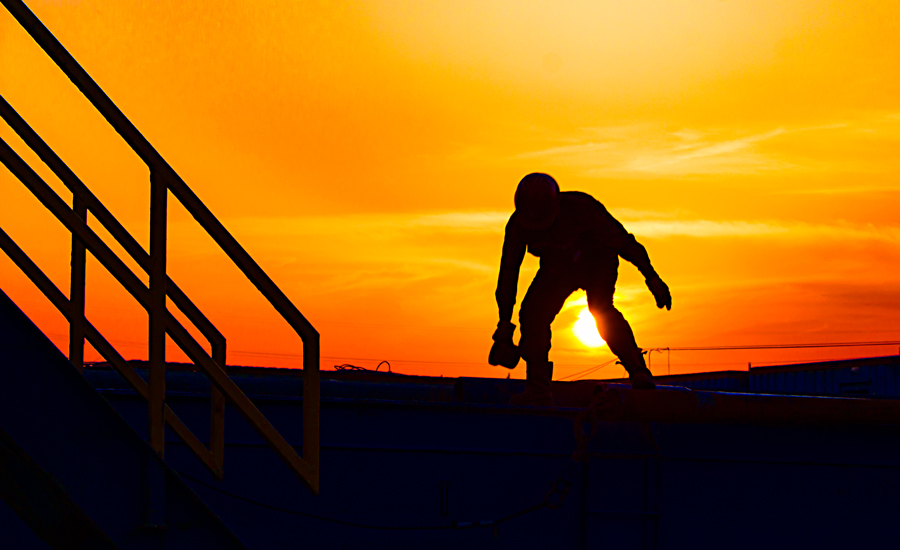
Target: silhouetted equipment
(579, 244)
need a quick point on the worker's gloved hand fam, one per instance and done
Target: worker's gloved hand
(504, 353)
(661, 292)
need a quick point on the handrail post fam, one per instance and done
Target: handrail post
(76, 290)
(217, 411)
(157, 309)
(311, 408)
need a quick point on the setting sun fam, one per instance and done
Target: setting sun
(585, 329)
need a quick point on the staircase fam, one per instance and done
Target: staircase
(70, 466)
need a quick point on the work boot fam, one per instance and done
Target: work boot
(638, 373)
(537, 386)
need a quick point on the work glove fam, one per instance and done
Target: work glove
(504, 353)
(660, 292)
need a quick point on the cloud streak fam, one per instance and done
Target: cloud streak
(774, 229)
(703, 228)
(644, 150)
(377, 224)
(703, 157)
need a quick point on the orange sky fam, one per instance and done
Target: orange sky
(366, 153)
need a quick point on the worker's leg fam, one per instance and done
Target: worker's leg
(616, 331)
(544, 299)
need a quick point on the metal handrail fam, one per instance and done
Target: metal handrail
(172, 326)
(164, 179)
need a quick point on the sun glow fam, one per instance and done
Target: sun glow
(585, 329)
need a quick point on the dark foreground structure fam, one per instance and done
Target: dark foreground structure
(411, 461)
(155, 455)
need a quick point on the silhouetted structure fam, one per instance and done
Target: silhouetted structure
(579, 244)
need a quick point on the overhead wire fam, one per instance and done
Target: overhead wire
(589, 371)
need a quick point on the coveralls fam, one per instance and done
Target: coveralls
(579, 251)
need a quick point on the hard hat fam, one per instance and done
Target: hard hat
(537, 201)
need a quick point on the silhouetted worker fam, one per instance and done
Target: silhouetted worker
(579, 244)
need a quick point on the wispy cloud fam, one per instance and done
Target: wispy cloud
(376, 224)
(462, 221)
(841, 190)
(633, 214)
(703, 228)
(779, 229)
(364, 251)
(646, 150)
(643, 150)
(699, 156)
(589, 148)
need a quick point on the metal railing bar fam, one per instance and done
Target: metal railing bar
(217, 412)
(77, 281)
(156, 355)
(305, 469)
(106, 219)
(64, 60)
(102, 345)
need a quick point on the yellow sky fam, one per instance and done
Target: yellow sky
(366, 154)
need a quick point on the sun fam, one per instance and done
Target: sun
(585, 329)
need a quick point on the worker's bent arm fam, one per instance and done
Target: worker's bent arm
(635, 253)
(626, 245)
(510, 262)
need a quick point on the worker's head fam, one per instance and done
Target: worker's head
(537, 201)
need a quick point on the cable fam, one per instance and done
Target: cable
(590, 370)
(384, 363)
(348, 366)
